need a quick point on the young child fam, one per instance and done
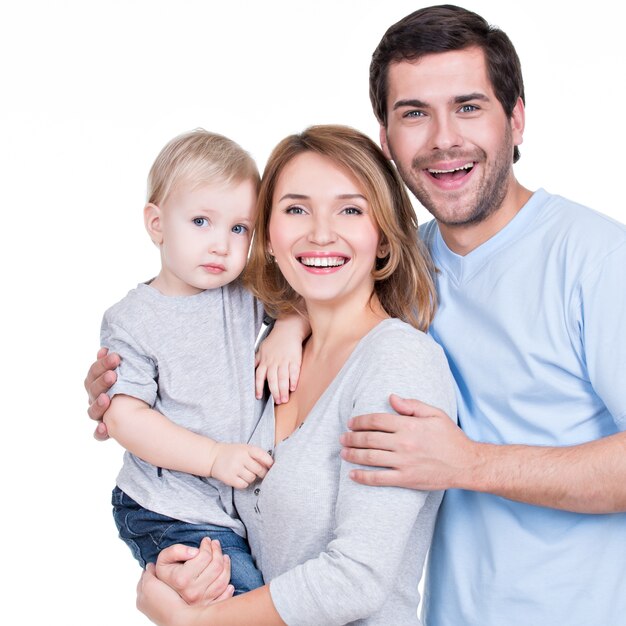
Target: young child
(184, 395)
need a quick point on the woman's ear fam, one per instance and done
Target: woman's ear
(383, 250)
(152, 222)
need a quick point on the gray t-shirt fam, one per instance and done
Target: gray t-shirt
(337, 552)
(192, 359)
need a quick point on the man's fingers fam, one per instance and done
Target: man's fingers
(372, 458)
(376, 478)
(368, 439)
(414, 408)
(96, 377)
(99, 407)
(383, 422)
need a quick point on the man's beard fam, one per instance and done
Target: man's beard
(484, 202)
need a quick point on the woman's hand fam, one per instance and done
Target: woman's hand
(160, 603)
(200, 576)
(100, 378)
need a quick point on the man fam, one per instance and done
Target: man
(532, 298)
(531, 306)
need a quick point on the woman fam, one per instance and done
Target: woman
(336, 232)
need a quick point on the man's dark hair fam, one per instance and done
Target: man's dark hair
(441, 29)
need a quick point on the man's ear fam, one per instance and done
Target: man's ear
(518, 121)
(383, 142)
(152, 222)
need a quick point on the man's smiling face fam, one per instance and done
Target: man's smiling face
(449, 136)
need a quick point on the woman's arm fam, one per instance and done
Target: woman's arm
(380, 536)
(166, 608)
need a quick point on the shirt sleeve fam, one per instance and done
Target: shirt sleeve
(601, 314)
(137, 373)
(374, 526)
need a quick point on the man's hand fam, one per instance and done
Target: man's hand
(422, 447)
(100, 378)
(200, 576)
(239, 464)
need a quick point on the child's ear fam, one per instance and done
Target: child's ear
(152, 222)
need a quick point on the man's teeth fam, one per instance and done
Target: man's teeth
(322, 261)
(467, 166)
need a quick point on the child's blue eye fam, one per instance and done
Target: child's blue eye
(200, 221)
(239, 229)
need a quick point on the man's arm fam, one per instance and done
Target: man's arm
(154, 438)
(424, 449)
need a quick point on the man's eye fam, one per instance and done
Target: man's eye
(239, 229)
(414, 114)
(200, 221)
(468, 108)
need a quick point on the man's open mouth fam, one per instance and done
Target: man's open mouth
(453, 173)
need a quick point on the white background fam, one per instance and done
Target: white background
(91, 92)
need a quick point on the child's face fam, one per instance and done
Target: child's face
(205, 235)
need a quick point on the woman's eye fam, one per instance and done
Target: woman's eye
(200, 221)
(239, 229)
(352, 210)
(294, 210)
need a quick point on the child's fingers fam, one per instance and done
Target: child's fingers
(272, 383)
(247, 476)
(259, 379)
(256, 468)
(261, 456)
(282, 380)
(294, 375)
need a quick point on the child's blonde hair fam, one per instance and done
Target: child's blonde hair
(199, 157)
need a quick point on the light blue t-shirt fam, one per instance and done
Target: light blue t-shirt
(533, 323)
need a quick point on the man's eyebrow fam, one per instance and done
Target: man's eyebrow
(471, 96)
(418, 104)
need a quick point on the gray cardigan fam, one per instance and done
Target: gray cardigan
(334, 551)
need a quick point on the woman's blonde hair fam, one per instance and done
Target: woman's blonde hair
(403, 278)
(199, 157)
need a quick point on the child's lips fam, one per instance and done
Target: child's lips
(214, 268)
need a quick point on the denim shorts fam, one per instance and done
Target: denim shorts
(147, 533)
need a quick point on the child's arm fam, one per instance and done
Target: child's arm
(152, 437)
(279, 357)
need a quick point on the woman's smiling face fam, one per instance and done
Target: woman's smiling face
(322, 232)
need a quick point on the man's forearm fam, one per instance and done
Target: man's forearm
(587, 478)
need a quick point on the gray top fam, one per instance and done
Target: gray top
(337, 552)
(192, 359)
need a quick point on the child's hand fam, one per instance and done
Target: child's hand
(238, 464)
(279, 357)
